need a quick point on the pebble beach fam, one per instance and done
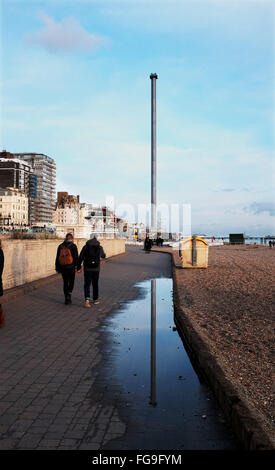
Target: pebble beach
(232, 302)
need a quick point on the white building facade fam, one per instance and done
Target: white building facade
(13, 208)
(70, 216)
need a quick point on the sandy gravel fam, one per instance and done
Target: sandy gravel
(233, 303)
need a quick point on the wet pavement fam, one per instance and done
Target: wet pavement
(102, 378)
(167, 406)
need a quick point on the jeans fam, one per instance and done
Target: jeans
(91, 277)
(68, 280)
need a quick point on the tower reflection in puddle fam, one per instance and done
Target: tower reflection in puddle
(153, 401)
(160, 396)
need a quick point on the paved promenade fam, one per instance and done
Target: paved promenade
(50, 396)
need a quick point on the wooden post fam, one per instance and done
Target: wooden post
(194, 250)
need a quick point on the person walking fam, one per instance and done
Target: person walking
(2, 259)
(66, 264)
(91, 254)
(147, 244)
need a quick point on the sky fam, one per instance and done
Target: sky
(75, 86)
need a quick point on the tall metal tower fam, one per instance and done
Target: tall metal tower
(153, 78)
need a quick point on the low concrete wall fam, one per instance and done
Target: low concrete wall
(30, 260)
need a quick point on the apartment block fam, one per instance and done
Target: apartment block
(43, 184)
(19, 175)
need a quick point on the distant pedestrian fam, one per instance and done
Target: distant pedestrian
(270, 244)
(2, 316)
(147, 243)
(66, 264)
(159, 241)
(90, 255)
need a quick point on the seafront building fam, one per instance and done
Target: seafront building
(18, 175)
(67, 209)
(70, 216)
(44, 187)
(14, 173)
(85, 219)
(13, 208)
(35, 175)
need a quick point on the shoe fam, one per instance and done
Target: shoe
(96, 302)
(68, 299)
(87, 303)
(2, 318)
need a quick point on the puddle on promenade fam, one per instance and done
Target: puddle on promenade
(163, 402)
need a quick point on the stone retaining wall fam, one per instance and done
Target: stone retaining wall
(29, 260)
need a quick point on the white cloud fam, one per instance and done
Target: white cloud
(65, 36)
(261, 207)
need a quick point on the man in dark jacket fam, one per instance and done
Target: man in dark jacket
(147, 244)
(90, 255)
(66, 263)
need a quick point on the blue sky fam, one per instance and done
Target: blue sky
(75, 85)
